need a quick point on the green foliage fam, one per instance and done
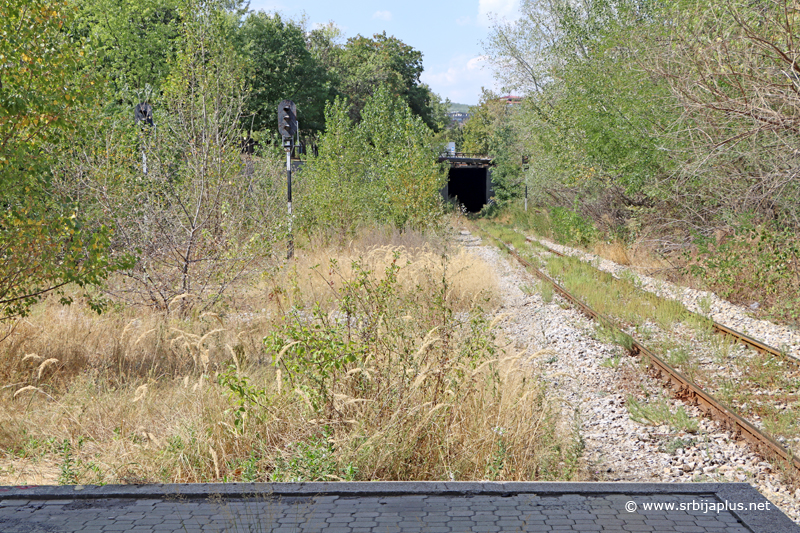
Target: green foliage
(592, 117)
(314, 460)
(249, 399)
(658, 413)
(382, 169)
(491, 131)
(282, 68)
(488, 117)
(365, 64)
(312, 351)
(68, 475)
(45, 241)
(612, 362)
(672, 445)
(358, 67)
(200, 214)
(755, 263)
(134, 43)
(568, 227)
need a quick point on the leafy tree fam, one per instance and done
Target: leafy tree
(332, 189)
(362, 64)
(199, 216)
(283, 67)
(494, 130)
(45, 242)
(135, 42)
(487, 117)
(402, 155)
(594, 121)
(382, 169)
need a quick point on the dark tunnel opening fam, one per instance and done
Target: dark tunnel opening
(470, 185)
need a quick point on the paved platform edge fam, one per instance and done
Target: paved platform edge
(771, 521)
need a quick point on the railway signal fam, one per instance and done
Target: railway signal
(287, 126)
(287, 119)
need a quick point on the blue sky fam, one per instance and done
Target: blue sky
(447, 32)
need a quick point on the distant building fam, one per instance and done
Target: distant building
(511, 99)
(458, 117)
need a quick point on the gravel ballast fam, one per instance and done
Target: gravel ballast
(595, 378)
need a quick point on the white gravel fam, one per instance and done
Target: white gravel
(702, 302)
(616, 447)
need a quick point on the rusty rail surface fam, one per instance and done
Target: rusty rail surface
(682, 387)
(720, 328)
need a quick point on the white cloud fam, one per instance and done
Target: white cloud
(382, 15)
(462, 79)
(488, 9)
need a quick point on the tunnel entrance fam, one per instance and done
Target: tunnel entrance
(469, 180)
(470, 185)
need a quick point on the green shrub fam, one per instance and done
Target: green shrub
(754, 264)
(570, 228)
(383, 169)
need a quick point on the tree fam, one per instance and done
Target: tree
(134, 42)
(363, 64)
(401, 154)
(199, 217)
(45, 242)
(282, 68)
(381, 169)
(487, 117)
(733, 69)
(594, 121)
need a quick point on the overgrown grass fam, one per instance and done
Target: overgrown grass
(369, 363)
(614, 297)
(752, 265)
(659, 412)
(746, 264)
(760, 387)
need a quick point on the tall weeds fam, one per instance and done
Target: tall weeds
(379, 364)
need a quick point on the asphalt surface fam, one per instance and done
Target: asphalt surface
(392, 507)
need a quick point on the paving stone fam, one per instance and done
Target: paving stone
(559, 522)
(362, 513)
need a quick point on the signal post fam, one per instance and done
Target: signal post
(287, 126)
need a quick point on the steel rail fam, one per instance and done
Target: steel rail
(682, 387)
(720, 328)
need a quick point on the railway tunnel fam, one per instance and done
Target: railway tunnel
(469, 180)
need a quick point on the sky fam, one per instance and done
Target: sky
(447, 32)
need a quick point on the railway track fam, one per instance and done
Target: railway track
(682, 387)
(719, 328)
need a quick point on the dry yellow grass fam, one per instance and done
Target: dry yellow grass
(469, 279)
(613, 251)
(637, 255)
(135, 396)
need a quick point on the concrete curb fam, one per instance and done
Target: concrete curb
(766, 521)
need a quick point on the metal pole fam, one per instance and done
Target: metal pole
(526, 197)
(290, 252)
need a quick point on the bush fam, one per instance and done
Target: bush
(569, 227)
(753, 264)
(383, 169)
